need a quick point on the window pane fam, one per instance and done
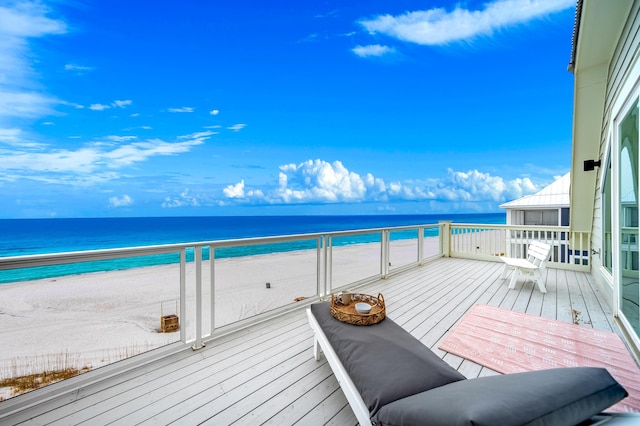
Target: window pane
(629, 267)
(533, 217)
(550, 217)
(607, 241)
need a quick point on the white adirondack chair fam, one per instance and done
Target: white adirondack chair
(532, 267)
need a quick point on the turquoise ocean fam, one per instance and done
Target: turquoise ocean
(21, 237)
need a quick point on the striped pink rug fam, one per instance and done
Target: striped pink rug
(511, 342)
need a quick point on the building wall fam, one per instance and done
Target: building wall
(625, 54)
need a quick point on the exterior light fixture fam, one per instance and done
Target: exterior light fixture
(591, 164)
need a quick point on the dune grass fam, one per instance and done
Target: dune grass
(23, 374)
(22, 384)
(30, 373)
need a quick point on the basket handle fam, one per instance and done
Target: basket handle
(380, 297)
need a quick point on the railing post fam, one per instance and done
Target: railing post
(183, 295)
(421, 245)
(198, 261)
(445, 237)
(212, 286)
(384, 254)
(325, 240)
(328, 276)
(382, 246)
(319, 281)
(325, 265)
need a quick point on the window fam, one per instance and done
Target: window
(541, 217)
(607, 242)
(628, 216)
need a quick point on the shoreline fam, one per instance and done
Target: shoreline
(136, 265)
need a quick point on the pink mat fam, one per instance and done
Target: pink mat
(511, 342)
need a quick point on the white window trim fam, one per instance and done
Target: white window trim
(604, 272)
(625, 98)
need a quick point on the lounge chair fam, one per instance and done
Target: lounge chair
(531, 267)
(390, 378)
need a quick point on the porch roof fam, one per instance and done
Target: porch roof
(555, 195)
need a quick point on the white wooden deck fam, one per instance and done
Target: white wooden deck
(267, 374)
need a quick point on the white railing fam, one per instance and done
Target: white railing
(570, 250)
(213, 280)
(204, 267)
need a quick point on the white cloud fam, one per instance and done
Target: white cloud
(16, 138)
(234, 191)
(123, 201)
(21, 22)
(184, 200)
(24, 104)
(199, 135)
(438, 26)
(88, 164)
(74, 67)
(237, 127)
(114, 104)
(477, 186)
(10, 136)
(72, 104)
(318, 181)
(28, 20)
(372, 50)
(121, 104)
(116, 138)
(99, 107)
(127, 155)
(183, 109)
(214, 112)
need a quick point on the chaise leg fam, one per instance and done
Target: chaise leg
(505, 271)
(541, 285)
(316, 348)
(514, 279)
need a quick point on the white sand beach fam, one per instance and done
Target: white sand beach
(98, 318)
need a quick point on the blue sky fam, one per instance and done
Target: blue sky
(164, 108)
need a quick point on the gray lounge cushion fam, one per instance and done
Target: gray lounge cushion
(565, 396)
(384, 361)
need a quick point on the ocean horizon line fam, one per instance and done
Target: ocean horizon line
(252, 215)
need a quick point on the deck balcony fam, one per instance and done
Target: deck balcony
(258, 367)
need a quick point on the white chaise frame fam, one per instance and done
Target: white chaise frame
(320, 341)
(358, 406)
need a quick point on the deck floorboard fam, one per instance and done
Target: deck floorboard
(266, 374)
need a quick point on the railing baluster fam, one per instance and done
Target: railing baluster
(329, 261)
(385, 242)
(319, 266)
(183, 295)
(198, 262)
(325, 251)
(421, 245)
(212, 286)
(382, 253)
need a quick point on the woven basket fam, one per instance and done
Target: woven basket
(347, 313)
